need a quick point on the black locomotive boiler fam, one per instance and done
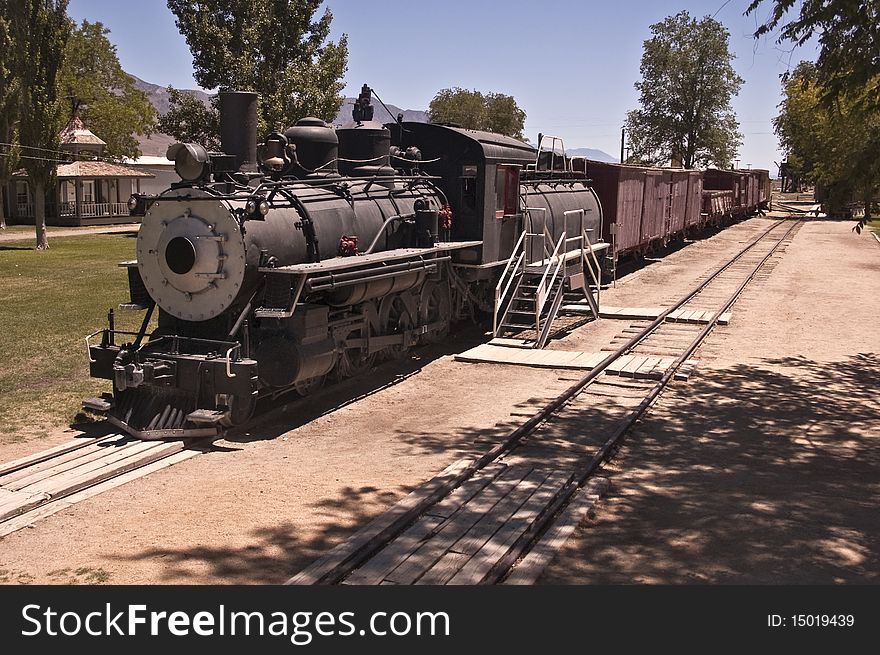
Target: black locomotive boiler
(275, 266)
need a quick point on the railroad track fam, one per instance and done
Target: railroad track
(39, 485)
(498, 518)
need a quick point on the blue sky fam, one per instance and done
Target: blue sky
(570, 64)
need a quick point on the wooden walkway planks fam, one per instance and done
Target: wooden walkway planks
(30, 483)
(418, 562)
(645, 367)
(527, 571)
(566, 359)
(650, 314)
(461, 542)
(382, 524)
(503, 539)
(29, 460)
(47, 509)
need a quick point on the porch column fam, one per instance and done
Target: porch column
(77, 186)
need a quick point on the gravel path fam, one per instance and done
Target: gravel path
(73, 232)
(764, 468)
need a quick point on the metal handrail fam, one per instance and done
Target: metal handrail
(528, 214)
(381, 231)
(499, 295)
(542, 285)
(592, 252)
(89, 345)
(552, 151)
(547, 238)
(229, 372)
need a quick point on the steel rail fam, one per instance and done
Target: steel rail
(500, 570)
(361, 555)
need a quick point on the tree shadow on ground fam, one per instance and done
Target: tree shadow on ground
(759, 473)
(275, 553)
(763, 473)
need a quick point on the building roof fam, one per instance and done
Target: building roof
(98, 169)
(76, 133)
(149, 160)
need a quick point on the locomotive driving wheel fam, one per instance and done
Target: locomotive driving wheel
(435, 305)
(394, 318)
(354, 361)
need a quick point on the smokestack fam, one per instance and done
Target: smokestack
(238, 127)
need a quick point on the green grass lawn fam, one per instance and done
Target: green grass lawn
(49, 302)
(875, 225)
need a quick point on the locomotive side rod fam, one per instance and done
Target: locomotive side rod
(350, 555)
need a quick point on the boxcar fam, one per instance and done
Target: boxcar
(621, 193)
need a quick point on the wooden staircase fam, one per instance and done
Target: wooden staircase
(529, 295)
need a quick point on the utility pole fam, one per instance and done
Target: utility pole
(622, 137)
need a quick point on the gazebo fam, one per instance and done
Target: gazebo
(88, 191)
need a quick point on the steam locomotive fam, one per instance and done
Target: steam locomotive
(314, 253)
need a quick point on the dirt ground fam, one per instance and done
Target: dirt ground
(764, 467)
(760, 469)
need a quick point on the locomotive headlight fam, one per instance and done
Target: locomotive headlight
(251, 206)
(190, 160)
(132, 203)
(264, 207)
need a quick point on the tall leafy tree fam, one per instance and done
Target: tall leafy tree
(834, 145)
(93, 81)
(495, 112)
(849, 38)
(277, 48)
(687, 84)
(190, 120)
(41, 29)
(8, 105)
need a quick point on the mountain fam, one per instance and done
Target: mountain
(158, 143)
(591, 153)
(158, 95)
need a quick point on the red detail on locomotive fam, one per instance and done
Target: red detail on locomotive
(348, 246)
(445, 215)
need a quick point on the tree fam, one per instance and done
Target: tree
(190, 121)
(687, 84)
(273, 47)
(834, 145)
(105, 95)
(8, 106)
(41, 28)
(474, 110)
(849, 36)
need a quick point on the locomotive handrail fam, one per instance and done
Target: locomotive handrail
(89, 345)
(229, 372)
(101, 331)
(387, 222)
